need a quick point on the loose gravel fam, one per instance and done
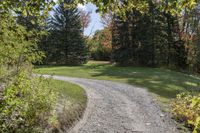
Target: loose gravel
(119, 108)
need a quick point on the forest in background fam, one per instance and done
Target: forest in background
(155, 38)
(158, 38)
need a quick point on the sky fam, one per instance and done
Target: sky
(95, 23)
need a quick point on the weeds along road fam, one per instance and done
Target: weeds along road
(119, 108)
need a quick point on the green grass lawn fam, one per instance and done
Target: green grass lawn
(72, 101)
(162, 82)
(74, 93)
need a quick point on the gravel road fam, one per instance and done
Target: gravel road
(119, 108)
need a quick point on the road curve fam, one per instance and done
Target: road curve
(119, 108)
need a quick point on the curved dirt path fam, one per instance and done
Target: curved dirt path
(119, 108)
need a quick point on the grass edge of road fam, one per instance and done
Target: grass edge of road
(71, 104)
(164, 83)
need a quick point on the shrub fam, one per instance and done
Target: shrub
(186, 108)
(27, 105)
(100, 46)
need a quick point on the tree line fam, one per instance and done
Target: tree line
(157, 38)
(154, 38)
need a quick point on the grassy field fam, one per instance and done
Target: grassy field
(72, 100)
(162, 82)
(72, 92)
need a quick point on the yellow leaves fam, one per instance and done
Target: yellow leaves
(70, 5)
(197, 125)
(195, 102)
(188, 4)
(27, 101)
(175, 7)
(192, 4)
(186, 109)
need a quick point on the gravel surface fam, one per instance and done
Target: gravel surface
(119, 108)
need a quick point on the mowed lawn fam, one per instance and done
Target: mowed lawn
(71, 102)
(74, 93)
(162, 82)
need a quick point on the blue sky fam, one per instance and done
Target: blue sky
(95, 23)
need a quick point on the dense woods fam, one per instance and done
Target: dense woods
(156, 38)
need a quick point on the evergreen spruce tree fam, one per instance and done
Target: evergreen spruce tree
(134, 39)
(65, 44)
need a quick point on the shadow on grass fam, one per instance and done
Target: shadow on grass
(162, 82)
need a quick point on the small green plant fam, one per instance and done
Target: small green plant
(27, 106)
(186, 109)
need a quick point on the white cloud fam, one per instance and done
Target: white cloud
(81, 7)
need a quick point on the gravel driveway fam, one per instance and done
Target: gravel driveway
(119, 108)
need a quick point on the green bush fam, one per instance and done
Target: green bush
(28, 105)
(100, 46)
(186, 108)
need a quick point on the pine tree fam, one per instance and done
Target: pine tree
(133, 41)
(124, 42)
(65, 43)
